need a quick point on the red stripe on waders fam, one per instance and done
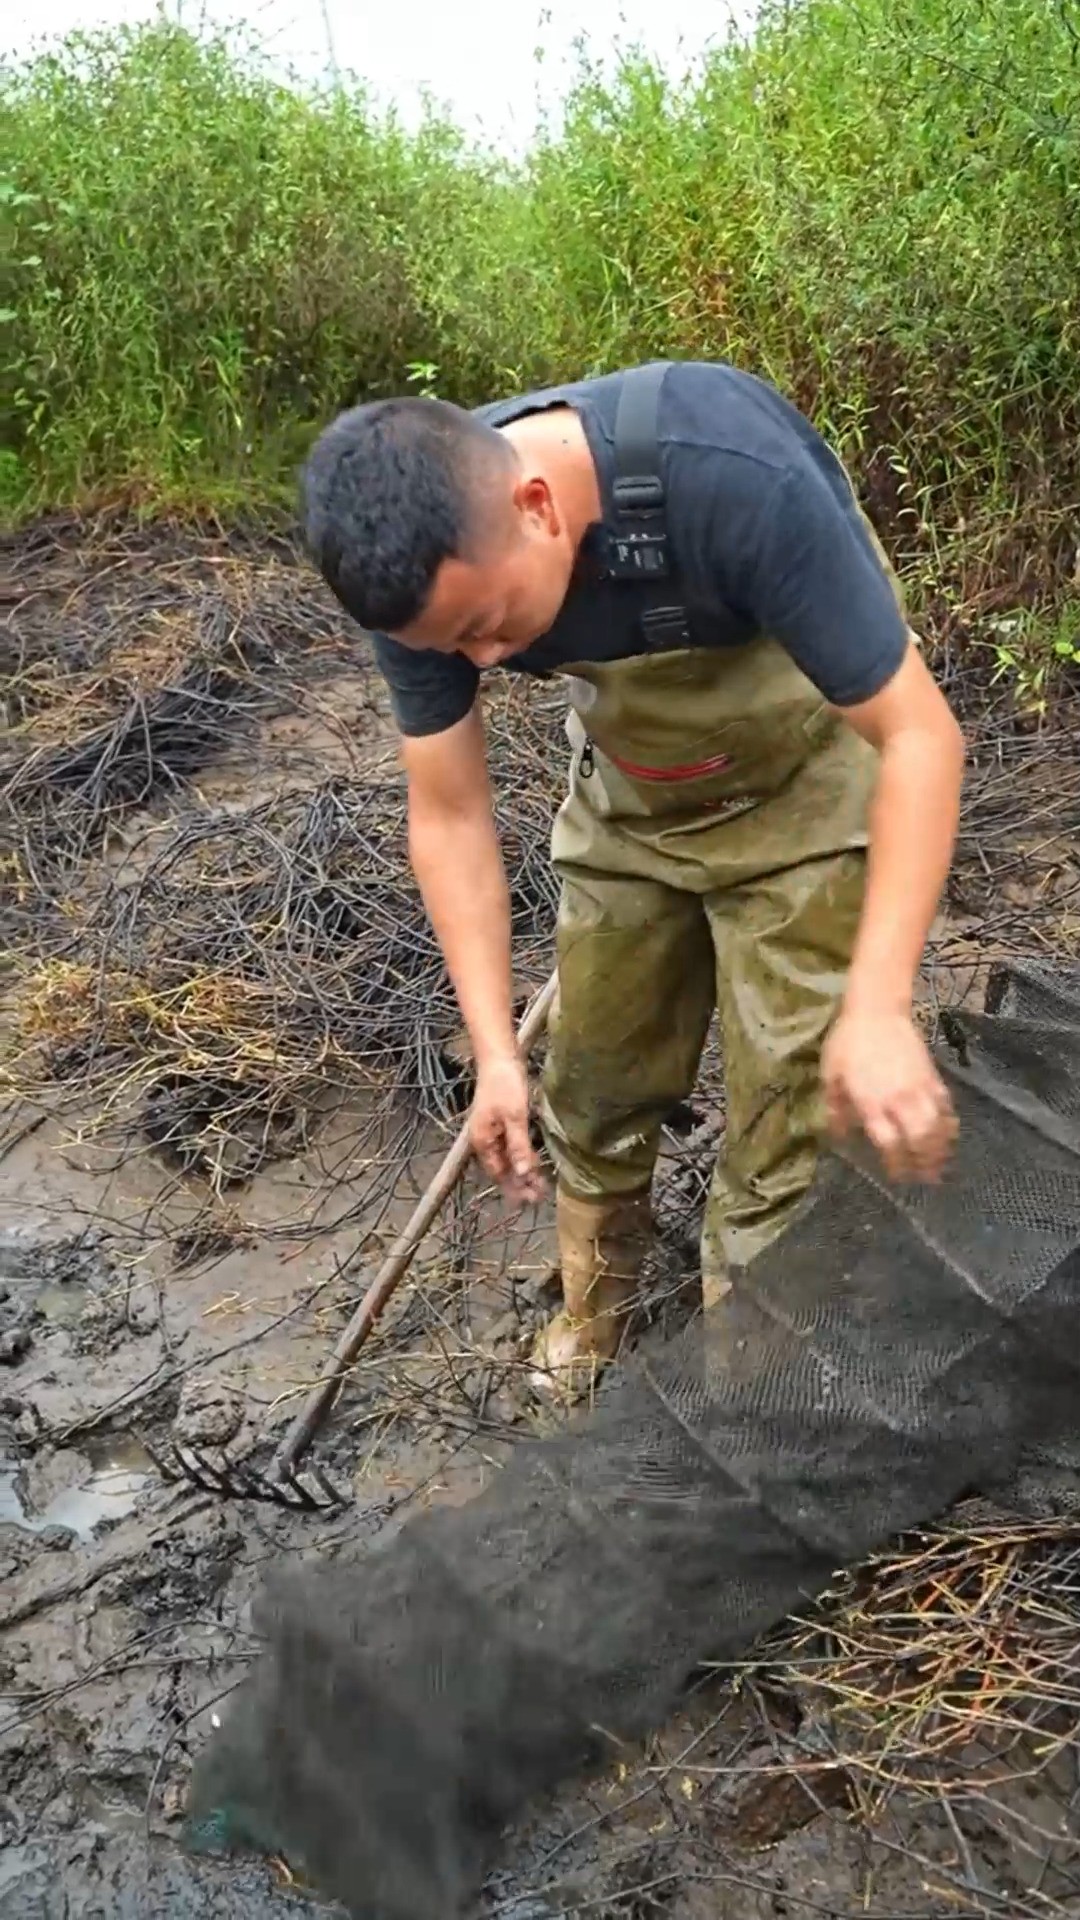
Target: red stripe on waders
(691, 771)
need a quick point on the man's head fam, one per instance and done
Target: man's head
(428, 526)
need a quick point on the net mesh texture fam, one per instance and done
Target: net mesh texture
(897, 1350)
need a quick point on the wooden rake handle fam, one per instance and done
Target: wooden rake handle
(393, 1269)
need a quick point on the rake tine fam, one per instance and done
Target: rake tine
(237, 1480)
(169, 1469)
(333, 1494)
(293, 1492)
(205, 1473)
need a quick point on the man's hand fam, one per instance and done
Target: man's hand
(499, 1129)
(878, 1074)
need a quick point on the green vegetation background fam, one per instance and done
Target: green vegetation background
(874, 203)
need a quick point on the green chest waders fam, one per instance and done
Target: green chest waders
(712, 856)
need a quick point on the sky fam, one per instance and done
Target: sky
(480, 58)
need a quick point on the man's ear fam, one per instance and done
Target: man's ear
(535, 502)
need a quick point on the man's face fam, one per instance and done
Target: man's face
(509, 592)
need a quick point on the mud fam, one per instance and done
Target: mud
(123, 1602)
(122, 1625)
(138, 1312)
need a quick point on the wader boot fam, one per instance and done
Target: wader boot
(715, 1286)
(603, 1245)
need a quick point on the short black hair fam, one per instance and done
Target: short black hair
(389, 491)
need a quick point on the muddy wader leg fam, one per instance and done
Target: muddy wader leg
(636, 992)
(783, 947)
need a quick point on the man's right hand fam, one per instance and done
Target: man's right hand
(499, 1129)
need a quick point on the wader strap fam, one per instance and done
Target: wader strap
(638, 537)
(638, 548)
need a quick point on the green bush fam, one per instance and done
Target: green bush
(878, 206)
(206, 260)
(875, 203)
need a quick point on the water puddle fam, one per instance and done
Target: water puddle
(61, 1302)
(108, 1486)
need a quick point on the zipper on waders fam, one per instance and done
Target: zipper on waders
(588, 760)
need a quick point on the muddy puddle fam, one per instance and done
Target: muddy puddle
(76, 1492)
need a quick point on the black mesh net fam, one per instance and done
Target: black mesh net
(898, 1349)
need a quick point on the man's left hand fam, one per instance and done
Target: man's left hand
(878, 1074)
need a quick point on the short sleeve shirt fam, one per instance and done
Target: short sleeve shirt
(765, 537)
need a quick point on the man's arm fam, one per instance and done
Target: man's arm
(877, 1070)
(913, 827)
(819, 584)
(459, 868)
(458, 865)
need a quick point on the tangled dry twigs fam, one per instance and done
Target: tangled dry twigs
(262, 963)
(945, 1674)
(132, 661)
(965, 1638)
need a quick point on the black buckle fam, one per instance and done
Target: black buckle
(637, 556)
(665, 629)
(638, 493)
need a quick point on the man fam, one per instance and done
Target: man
(763, 798)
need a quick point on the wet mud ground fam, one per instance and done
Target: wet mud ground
(122, 1623)
(138, 1311)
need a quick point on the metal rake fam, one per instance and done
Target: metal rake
(307, 1492)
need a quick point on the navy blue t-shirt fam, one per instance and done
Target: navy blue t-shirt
(764, 535)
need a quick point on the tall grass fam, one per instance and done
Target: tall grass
(874, 202)
(207, 260)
